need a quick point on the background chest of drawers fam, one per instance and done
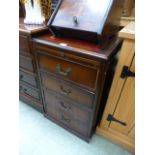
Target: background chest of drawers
(29, 88)
(72, 77)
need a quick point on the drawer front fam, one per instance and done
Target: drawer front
(29, 91)
(66, 113)
(23, 43)
(26, 63)
(26, 77)
(69, 70)
(67, 90)
(31, 101)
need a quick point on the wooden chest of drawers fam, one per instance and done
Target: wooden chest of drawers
(28, 85)
(72, 77)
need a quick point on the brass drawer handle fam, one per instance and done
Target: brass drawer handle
(61, 72)
(63, 91)
(63, 118)
(64, 106)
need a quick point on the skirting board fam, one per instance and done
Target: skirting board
(120, 140)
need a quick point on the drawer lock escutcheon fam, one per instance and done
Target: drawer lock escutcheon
(111, 118)
(62, 72)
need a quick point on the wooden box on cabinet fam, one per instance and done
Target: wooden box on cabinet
(118, 122)
(72, 75)
(93, 20)
(29, 90)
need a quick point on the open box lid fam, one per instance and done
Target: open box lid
(83, 18)
(87, 15)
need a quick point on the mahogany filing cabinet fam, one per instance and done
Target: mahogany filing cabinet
(72, 77)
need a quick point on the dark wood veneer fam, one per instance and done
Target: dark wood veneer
(29, 86)
(77, 73)
(29, 90)
(89, 20)
(26, 63)
(88, 86)
(24, 43)
(28, 77)
(68, 114)
(66, 89)
(31, 101)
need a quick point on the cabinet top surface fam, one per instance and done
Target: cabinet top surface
(30, 29)
(80, 47)
(82, 10)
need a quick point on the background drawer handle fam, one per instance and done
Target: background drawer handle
(63, 91)
(60, 71)
(25, 90)
(21, 89)
(21, 77)
(63, 118)
(64, 106)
